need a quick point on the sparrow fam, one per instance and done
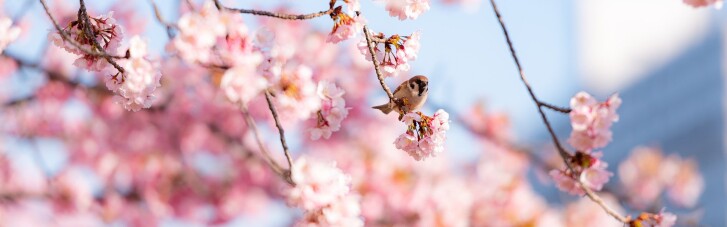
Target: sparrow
(410, 96)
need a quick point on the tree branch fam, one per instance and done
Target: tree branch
(564, 110)
(275, 15)
(282, 134)
(273, 164)
(379, 75)
(161, 20)
(563, 153)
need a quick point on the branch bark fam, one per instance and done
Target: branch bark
(275, 15)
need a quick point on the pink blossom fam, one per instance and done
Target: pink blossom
(664, 219)
(587, 168)
(702, 3)
(425, 135)
(108, 36)
(198, 33)
(140, 79)
(8, 32)
(333, 110)
(392, 63)
(298, 98)
(687, 184)
(344, 212)
(591, 121)
(240, 84)
(411, 46)
(344, 27)
(406, 9)
(317, 184)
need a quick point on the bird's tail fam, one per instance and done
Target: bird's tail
(386, 108)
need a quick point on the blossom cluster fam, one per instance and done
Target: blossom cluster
(587, 169)
(136, 85)
(646, 173)
(8, 32)
(425, 135)
(406, 9)
(323, 191)
(591, 121)
(106, 32)
(333, 110)
(344, 25)
(398, 51)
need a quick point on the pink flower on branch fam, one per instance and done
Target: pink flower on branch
(406, 9)
(107, 33)
(198, 33)
(333, 110)
(344, 26)
(425, 135)
(323, 191)
(136, 85)
(398, 51)
(591, 121)
(587, 168)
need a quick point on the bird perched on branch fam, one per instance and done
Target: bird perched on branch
(408, 97)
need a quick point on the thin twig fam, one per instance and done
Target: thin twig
(281, 132)
(563, 153)
(273, 164)
(379, 75)
(553, 107)
(275, 15)
(160, 19)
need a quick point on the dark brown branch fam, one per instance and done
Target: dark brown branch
(281, 132)
(379, 75)
(563, 153)
(564, 110)
(161, 20)
(275, 15)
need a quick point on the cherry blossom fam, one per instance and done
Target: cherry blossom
(344, 26)
(8, 32)
(406, 9)
(298, 98)
(333, 110)
(393, 62)
(587, 168)
(317, 184)
(136, 85)
(646, 173)
(108, 35)
(591, 121)
(425, 135)
(198, 33)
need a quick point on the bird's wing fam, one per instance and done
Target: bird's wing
(401, 86)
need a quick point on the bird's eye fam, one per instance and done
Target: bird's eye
(411, 85)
